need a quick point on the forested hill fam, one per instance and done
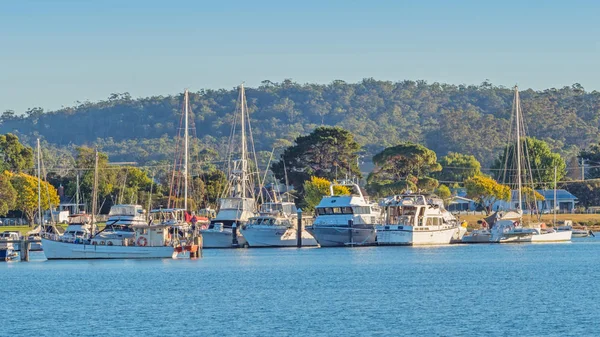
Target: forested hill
(444, 117)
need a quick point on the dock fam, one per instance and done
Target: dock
(24, 247)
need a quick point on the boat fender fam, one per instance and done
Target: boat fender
(142, 241)
(102, 243)
(94, 243)
(109, 243)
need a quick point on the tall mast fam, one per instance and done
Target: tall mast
(554, 203)
(242, 103)
(77, 195)
(95, 191)
(39, 176)
(518, 121)
(185, 161)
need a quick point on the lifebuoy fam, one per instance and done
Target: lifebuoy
(142, 241)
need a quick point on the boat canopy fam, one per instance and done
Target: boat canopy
(126, 210)
(237, 203)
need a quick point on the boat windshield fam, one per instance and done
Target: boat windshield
(278, 207)
(236, 203)
(406, 220)
(125, 210)
(79, 219)
(265, 221)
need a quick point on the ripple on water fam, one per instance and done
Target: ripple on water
(383, 291)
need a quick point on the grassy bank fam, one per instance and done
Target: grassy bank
(590, 220)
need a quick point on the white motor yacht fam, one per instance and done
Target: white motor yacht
(415, 219)
(345, 220)
(275, 227)
(8, 245)
(224, 230)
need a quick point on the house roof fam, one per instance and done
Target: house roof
(457, 198)
(549, 194)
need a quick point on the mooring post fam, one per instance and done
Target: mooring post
(350, 224)
(24, 250)
(234, 240)
(299, 229)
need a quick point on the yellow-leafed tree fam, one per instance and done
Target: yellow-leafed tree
(316, 188)
(8, 195)
(27, 194)
(486, 191)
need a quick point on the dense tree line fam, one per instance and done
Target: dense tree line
(445, 118)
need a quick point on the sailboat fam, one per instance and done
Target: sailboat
(509, 227)
(237, 204)
(149, 240)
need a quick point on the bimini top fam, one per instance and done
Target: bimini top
(131, 210)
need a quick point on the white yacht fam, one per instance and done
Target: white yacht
(8, 246)
(238, 203)
(276, 226)
(223, 230)
(156, 239)
(484, 234)
(345, 220)
(415, 219)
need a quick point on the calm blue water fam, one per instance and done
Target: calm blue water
(544, 289)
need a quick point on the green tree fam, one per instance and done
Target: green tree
(592, 156)
(587, 192)
(16, 157)
(457, 167)
(539, 162)
(444, 193)
(315, 189)
(328, 152)
(26, 187)
(486, 191)
(8, 195)
(407, 162)
(215, 182)
(107, 175)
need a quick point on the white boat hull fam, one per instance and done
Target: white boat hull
(525, 236)
(561, 236)
(478, 236)
(221, 238)
(56, 250)
(407, 235)
(276, 237)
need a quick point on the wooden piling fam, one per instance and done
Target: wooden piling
(198, 242)
(234, 240)
(299, 229)
(24, 250)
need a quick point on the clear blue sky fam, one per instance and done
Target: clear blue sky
(53, 53)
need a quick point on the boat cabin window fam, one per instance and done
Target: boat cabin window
(434, 221)
(362, 209)
(406, 220)
(334, 210)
